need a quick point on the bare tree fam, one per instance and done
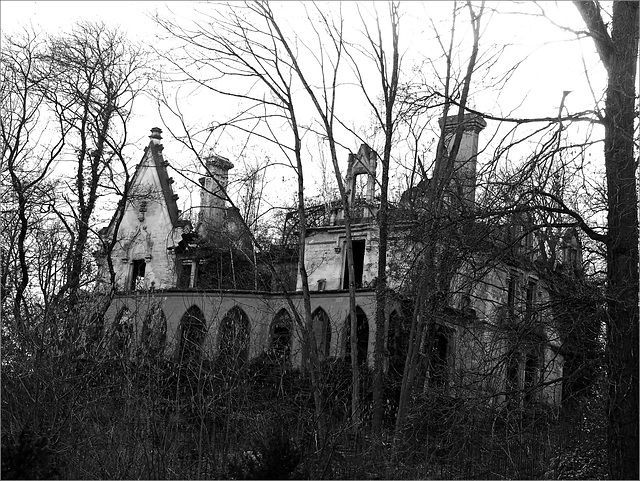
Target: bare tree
(95, 77)
(386, 59)
(617, 46)
(25, 81)
(231, 45)
(324, 102)
(437, 269)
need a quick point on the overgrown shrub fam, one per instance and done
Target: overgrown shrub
(275, 456)
(28, 457)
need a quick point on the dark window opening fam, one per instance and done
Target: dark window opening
(322, 332)
(358, 264)
(123, 328)
(192, 333)
(280, 342)
(465, 303)
(517, 239)
(264, 281)
(511, 235)
(137, 272)
(234, 339)
(511, 296)
(439, 352)
(530, 377)
(281, 336)
(362, 336)
(154, 332)
(531, 298)
(528, 245)
(184, 275)
(512, 380)
(397, 344)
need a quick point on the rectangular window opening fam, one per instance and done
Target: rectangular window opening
(137, 273)
(531, 373)
(185, 275)
(358, 264)
(531, 298)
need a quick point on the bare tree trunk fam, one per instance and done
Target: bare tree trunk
(232, 40)
(435, 271)
(327, 114)
(24, 88)
(390, 90)
(619, 54)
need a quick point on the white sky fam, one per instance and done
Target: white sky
(553, 65)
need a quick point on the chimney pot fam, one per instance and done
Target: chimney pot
(156, 133)
(470, 122)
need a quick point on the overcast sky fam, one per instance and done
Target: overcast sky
(554, 64)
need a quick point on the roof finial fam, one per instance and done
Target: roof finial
(155, 133)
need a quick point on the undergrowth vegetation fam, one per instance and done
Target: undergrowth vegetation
(154, 418)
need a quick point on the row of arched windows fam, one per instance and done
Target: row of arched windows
(233, 336)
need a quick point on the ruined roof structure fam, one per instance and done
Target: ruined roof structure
(218, 297)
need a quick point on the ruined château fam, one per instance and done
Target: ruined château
(204, 291)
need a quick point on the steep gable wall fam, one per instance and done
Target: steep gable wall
(149, 226)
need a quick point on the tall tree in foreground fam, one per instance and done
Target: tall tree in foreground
(387, 63)
(434, 270)
(243, 42)
(618, 50)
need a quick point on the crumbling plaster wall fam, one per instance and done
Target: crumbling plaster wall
(325, 254)
(145, 232)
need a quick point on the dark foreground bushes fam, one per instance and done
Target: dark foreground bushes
(158, 419)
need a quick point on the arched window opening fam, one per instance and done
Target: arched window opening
(192, 333)
(154, 332)
(122, 331)
(233, 339)
(362, 336)
(322, 332)
(280, 345)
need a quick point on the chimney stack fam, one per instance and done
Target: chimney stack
(464, 171)
(213, 194)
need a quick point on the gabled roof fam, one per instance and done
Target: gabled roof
(155, 149)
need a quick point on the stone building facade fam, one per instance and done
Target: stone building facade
(200, 290)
